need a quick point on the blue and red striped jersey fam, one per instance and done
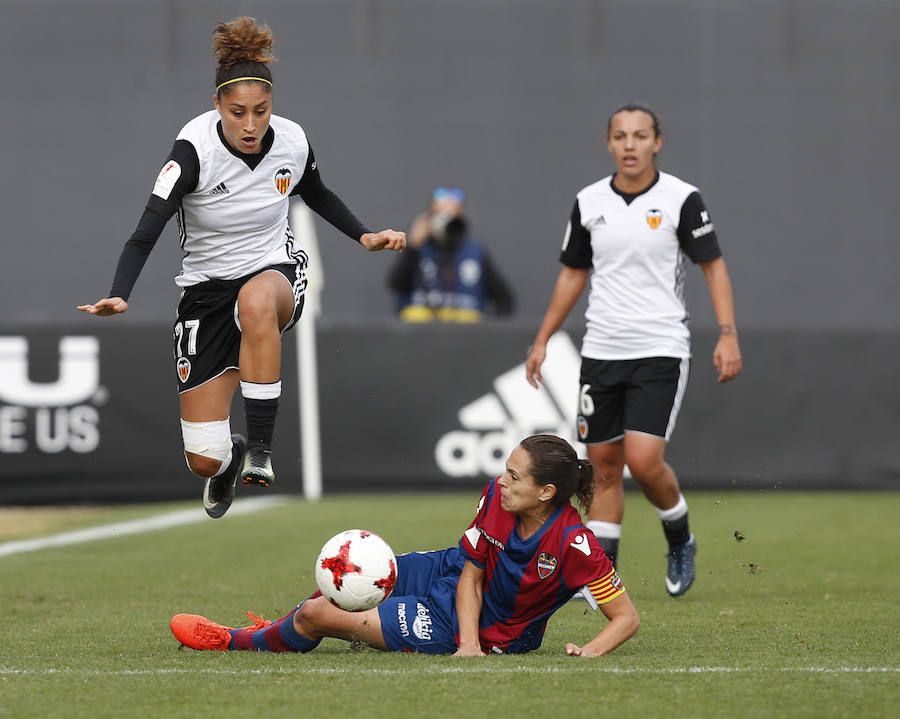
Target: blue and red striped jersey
(526, 580)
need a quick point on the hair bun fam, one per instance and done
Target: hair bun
(242, 41)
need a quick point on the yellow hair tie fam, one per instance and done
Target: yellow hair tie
(239, 79)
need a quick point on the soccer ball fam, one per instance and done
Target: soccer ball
(356, 570)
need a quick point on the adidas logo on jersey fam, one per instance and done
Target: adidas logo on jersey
(496, 422)
(219, 189)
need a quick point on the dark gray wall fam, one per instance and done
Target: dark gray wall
(784, 113)
(396, 412)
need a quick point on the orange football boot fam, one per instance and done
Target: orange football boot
(200, 633)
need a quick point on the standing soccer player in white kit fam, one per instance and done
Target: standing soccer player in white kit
(630, 233)
(228, 180)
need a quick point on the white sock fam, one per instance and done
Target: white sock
(609, 530)
(673, 513)
(257, 390)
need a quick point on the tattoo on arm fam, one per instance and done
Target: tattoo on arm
(727, 330)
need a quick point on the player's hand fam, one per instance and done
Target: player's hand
(469, 651)
(105, 307)
(573, 650)
(533, 362)
(384, 240)
(727, 357)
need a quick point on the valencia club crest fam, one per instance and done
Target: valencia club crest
(654, 218)
(283, 180)
(184, 368)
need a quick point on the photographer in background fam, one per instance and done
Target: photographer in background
(445, 275)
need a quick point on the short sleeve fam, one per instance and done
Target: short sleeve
(586, 564)
(696, 233)
(576, 248)
(472, 544)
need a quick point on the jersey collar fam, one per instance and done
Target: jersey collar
(536, 537)
(250, 159)
(630, 197)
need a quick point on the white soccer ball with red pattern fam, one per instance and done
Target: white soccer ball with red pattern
(356, 570)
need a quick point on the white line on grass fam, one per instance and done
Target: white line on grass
(426, 670)
(136, 526)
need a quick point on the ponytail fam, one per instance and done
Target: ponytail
(554, 461)
(586, 483)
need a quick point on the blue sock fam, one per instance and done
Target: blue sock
(280, 636)
(294, 639)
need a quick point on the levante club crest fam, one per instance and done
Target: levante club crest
(546, 565)
(283, 180)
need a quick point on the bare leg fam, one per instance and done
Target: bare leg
(318, 618)
(645, 457)
(609, 494)
(659, 484)
(608, 505)
(265, 306)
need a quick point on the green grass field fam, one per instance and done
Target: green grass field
(800, 619)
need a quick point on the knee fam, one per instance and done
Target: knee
(644, 464)
(206, 445)
(309, 617)
(608, 467)
(609, 470)
(256, 308)
(205, 467)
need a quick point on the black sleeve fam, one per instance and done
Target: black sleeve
(496, 288)
(163, 202)
(325, 203)
(696, 233)
(136, 251)
(576, 250)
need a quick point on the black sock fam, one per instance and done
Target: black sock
(676, 531)
(261, 415)
(611, 547)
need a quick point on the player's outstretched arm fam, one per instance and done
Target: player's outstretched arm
(727, 354)
(623, 624)
(468, 610)
(384, 240)
(569, 286)
(105, 307)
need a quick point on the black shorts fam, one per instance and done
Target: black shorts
(207, 337)
(637, 395)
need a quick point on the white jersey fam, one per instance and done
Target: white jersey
(232, 207)
(636, 246)
(235, 221)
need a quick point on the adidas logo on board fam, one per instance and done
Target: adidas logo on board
(496, 422)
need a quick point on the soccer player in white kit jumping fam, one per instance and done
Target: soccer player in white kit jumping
(629, 233)
(228, 180)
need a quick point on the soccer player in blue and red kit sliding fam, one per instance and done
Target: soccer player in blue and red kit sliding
(524, 555)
